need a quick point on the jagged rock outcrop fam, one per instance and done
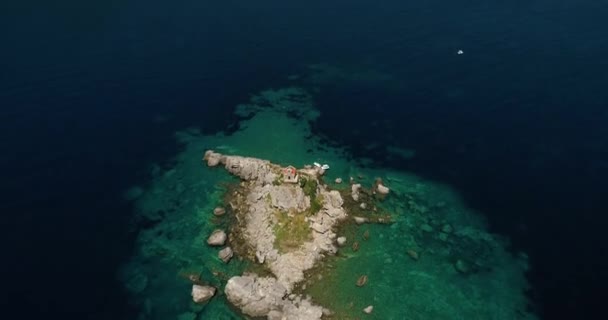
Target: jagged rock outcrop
(213, 158)
(219, 211)
(259, 297)
(251, 169)
(255, 296)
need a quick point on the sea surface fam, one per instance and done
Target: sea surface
(99, 100)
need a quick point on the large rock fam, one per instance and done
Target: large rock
(250, 169)
(355, 191)
(217, 238)
(382, 189)
(361, 220)
(255, 296)
(201, 294)
(264, 297)
(212, 158)
(225, 254)
(219, 211)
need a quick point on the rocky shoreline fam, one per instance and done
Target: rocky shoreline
(287, 218)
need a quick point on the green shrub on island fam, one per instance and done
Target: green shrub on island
(290, 231)
(310, 189)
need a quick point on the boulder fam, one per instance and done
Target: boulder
(355, 191)
(426, 227)
(361, 281)
(338, 180)
(219, 211)
(368, 309)
(212, 158)
(382, 189)
(217, 238)
(360, 220)
(225, 254)
(202, 294)
(341, 241)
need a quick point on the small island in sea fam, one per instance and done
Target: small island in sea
(262, 228)
(287, 220)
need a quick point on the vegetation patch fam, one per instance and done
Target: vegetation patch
(310, 189)
(290, 231)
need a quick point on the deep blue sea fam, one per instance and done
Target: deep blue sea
(92, 92)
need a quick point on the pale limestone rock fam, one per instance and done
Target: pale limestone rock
(338, 180)
(202, 294)
(355, 191)
(368, 309)
(219, 211)
(217, 238)
(382, 189)
(341, 241)
(225, 254)
(334, 198)
(361, 220)
(254, 296)
(275, 315)
(212, 158)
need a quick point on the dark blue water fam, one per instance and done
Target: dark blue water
(91, 93)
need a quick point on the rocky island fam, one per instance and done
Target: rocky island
(285, 221)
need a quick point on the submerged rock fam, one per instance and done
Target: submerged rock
(413, 254)
(217, 238)
(338, 180)
(447, 228)
(462, 266)
(368, 309)
(341, 241)
(202, 294)
(361, 281)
